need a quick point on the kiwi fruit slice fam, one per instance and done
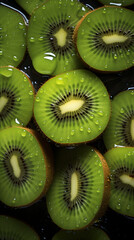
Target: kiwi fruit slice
(12, 37)
(69, 108)
(92, 233)
(12, 228)
(104, 39)
(25, 167)
(121, 163)
(120, 130)
(49, 36)
(117, 2)
(79, 192)
(16, 97)
(29, 5)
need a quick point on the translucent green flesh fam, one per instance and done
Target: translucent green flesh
(29, 5)
(13, 37)
(23, 190)
(92, 233)
(97, 53)
(17, 89)
(82, 124)
(117, 2)
(77, 213)
(121, 161)
(11, 228)
(120, 128)
(47, 55)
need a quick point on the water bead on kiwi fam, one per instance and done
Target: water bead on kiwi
(121, 164)
(12, 37)
(49, 36)
(105, 39)
(79, 192)
(69, 108)
(120, 129)
(12, 228)
(117, 2)
(16, 97)
(25, 167)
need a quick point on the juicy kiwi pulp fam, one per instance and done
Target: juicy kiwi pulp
(30, 5)
(69, 108)
(121, 164)
(105, 39)
(79, 189)
(120, 130)
(49, 37)
(12, 37)
(23, 167)
(16, 97)
(11, 228)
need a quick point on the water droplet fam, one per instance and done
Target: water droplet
(30, 93)
(88, 20)
(31, 138)
(41, 38)
(32, 39)
(96, 122)
(14, 200)
(6, 72)
(68, 137)
(72, 2)
(37, 99)
(72, 132)
(23, 133)
(25, 79)
(122, 110)
(89, 130)
(100, 113)
(15, 58)
(82, 31)
(43, 7)
(98, 190)
(82, 80)
(60, 81)
(100, 128)
(40, 183)
(91, 116)
(104, 94)
(21, 25)
(132, 92)
(18, 99)
(66, 62)
(61, 139)
(128, 207)
(115, 56)
(36, 154)
(118, 206)
(133, 61)
(106, 66)
(81, 129)
(1, 52)
(104, 10)
(85, 219)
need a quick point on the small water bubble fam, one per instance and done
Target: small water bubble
(68, 137)
(30, 93)
(98, 190)
(18, 99)
(115, 56)
(89, 130)
(43, 7)
(61, 139)
(1, 52)
(88, 20)
(118, 206)
(21, 25)
(72, 2)
(72, 133)
(41, 38)
(133, 61)
(37, 99)
(15, 58)
(128, 207)
(100, 128)
(31, 138)
(104, 94)
(132, 92)
(100, 113)
(82, 31)
(85, 219)
(66, 62)
(36, 154)
(23, 133)
(40, 183)
(106, 66)
(60, 81)
(81, 129)
(104, 10)
(32, 39)
(91, 116)
(82, 80)
(14, 200)
(122, 110)
(96, 122)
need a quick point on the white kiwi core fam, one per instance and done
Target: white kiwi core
(71, 106)
(127, 179)
(74, 186)
(15, 166)
(114, 38)
(61, 36)
(3, 102)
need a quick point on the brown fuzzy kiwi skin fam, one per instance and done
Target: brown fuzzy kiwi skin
(75, 34)
(67, 144)
(49, 163)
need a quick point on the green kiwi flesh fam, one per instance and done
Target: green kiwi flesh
(104, 39)
(69, 108)
(49, 36)
(16, 97)
(92, 233)
(22, 167)
(120, 129)
(13, 37)
(121, 164)
(11, 228)
(30, 5)
(117, 2)
(80, 187)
